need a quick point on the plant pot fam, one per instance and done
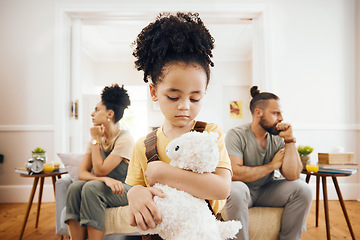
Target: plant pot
(304, 160)
(41, 155)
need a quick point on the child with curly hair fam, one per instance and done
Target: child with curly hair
(103, 168)
(174, 52)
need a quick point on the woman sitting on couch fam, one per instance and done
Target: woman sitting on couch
(103, 168)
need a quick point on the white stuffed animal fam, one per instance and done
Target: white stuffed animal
(185, 217)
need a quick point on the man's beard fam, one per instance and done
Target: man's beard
(269, 128)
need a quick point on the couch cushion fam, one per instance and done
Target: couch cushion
(71, 162)
(264, 222)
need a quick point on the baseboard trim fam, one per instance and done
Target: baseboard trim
(21, 193)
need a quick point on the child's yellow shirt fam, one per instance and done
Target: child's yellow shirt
(138, 162)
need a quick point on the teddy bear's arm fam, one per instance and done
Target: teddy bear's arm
(198, 185)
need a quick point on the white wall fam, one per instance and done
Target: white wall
(121, 72)
(357, 86)
(313, 68)
(312, 55)
(230, 81)
(26, 90)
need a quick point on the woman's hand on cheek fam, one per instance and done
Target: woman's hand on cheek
(97, 131)
(154, 171)
(142, 208)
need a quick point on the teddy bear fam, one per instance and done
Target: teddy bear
(183, 215)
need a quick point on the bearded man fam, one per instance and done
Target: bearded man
(256, 150)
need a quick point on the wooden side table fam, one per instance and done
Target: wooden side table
(36, 177)
(326, 208)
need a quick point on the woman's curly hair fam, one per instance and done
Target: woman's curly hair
(258, 98)
(117, 99)
(180, 37)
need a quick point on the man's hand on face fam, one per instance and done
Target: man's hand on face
(285, 130)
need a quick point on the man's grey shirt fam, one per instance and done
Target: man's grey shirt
(241, 142)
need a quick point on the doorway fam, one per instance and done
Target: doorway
(258, 62)
(106, 59)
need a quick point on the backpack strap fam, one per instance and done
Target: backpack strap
(150, 146)
(199, 127)
(151, 140)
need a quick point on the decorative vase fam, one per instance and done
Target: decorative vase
(41, 155)
(304, 160)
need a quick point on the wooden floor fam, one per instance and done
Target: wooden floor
(12, 217)
(339, 228)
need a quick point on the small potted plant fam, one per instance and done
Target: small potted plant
(39, 152)
(304, 152)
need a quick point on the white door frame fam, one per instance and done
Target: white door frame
(67, 14)
(76, 122)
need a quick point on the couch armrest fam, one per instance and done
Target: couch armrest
(62, 185)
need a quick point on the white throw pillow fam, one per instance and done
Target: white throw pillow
(71, 162)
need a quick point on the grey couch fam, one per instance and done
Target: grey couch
(264, 223)
(61, 228)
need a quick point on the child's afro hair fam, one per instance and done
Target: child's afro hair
(173, 37)
(115, 98)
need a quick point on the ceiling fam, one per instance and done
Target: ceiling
(110, 41)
